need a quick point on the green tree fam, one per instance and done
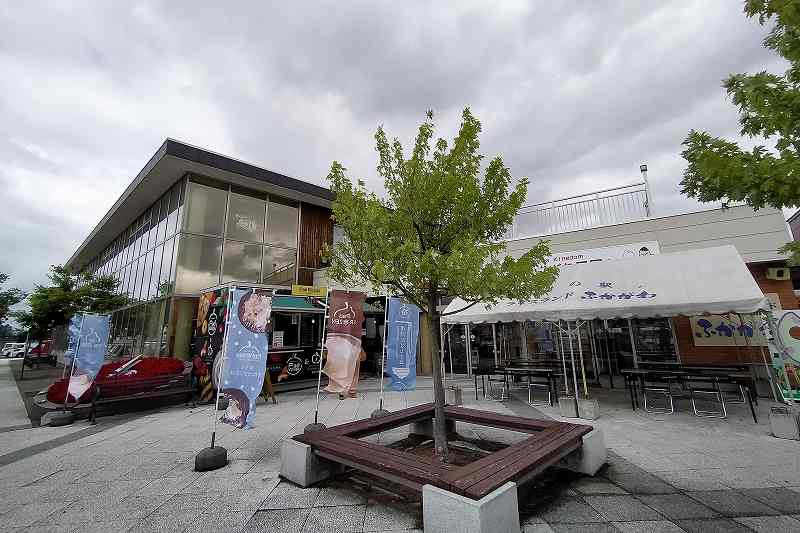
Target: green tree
(437, 234)
(769, 108)
(8, 298)
(67, 294)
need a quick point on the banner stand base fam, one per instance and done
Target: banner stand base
(222, 403)
(377, 413)
(317, 426)
(61, 418)
(211, 459)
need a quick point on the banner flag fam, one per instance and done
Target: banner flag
(245, 355)
(401, 344)
(86, 349)
(343, 341)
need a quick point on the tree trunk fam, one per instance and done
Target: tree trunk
(439, 427)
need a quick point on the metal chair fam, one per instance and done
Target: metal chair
(659, 388)
(532, 401)
(716, 394)
(491, 384)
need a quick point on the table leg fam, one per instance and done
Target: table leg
(631, 384)
(476, 386)
(746, 390)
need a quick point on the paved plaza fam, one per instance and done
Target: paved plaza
(134, 472)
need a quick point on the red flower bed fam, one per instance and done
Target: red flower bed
(146, 368)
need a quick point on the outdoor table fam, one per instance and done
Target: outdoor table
(636, 377)
(530, 372)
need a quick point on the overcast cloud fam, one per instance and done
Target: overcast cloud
(574, 95)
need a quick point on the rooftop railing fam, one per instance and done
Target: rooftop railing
(599, 208)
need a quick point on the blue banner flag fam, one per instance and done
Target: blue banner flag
(86, 349)
(401, 344)
(245, 354)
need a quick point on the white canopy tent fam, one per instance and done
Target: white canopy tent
(693, 282)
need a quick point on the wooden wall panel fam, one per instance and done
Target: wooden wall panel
(316, 228)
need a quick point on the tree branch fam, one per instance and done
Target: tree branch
(462, 309)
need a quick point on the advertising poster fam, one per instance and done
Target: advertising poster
(343, 342)
(86, 348)
(245, 355)
(401, 345)
(786, 353)
(209, 333)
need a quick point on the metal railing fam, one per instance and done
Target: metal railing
(599, 208)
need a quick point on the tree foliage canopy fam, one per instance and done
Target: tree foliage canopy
(67, 294)
(769, 108)
(8, 298)
(437, 233)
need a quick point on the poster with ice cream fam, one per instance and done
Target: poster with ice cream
(343, 341)
(245, 355)
(88, 338)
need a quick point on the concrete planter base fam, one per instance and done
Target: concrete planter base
(300, 465)
(566, 407)
(445, 512)
(784, 423)
(453, 396)
(590, 457)
(589, 409)
(425, 427)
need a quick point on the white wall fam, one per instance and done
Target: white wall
(757, 235)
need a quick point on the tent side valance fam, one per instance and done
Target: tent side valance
(693, 282)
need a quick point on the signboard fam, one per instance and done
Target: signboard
(245, 355)
(605, 254)
(726, 330)
(308, 290)
(343, 340)
(86, 349)
(212, 309)
(401, 344)
(277, 339)
(785, 350)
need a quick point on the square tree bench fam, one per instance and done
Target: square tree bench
(479, 496)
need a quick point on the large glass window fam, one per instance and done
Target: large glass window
(206, 210)
(174, 214)
(278, 266)
(281, 225)
(163, 210)
(165, 279)
(198, 263)
(148, 269)
(246, 218)
(155, 275)
(241, 262)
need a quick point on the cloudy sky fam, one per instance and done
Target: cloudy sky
(574, 95)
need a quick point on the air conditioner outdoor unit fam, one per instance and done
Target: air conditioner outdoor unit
(778, 273)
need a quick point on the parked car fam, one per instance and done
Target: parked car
(13, 349)
(41, 353)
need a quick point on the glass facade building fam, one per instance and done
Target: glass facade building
(199, 234)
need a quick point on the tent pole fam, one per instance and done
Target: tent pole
(767, 367)
(563, 358)
(494, 343)
(593, 345)
(580, 355)
(633, 344)
(608, 353)
(523, 337)
(468, 347)
(574, 375)
(450, 347)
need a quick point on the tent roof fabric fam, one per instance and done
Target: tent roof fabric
(693, 282)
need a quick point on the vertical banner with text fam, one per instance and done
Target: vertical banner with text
(88, 338)
(343, 341)
(245, 355)
(401, 344)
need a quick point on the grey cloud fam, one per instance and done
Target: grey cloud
(574, 95)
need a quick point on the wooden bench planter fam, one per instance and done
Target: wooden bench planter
(548, 442)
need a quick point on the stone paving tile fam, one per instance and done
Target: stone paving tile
(117, 526)
(599, 527)
(30, 513)
(678, 506)
(732, 503)
(713, 525)
(653, 526)
(394, 515)
(188, 502)
(693, 480)
(338, 496)
(537, 528)
(290, 496)
(770, 524)
(622, 508)
(588, 485)
(277, 521)
(642, 483)
(219, 523)
(570, 510)
(782, 499)
(163, 522)
(344, 518)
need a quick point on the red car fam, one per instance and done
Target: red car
(40, 354)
